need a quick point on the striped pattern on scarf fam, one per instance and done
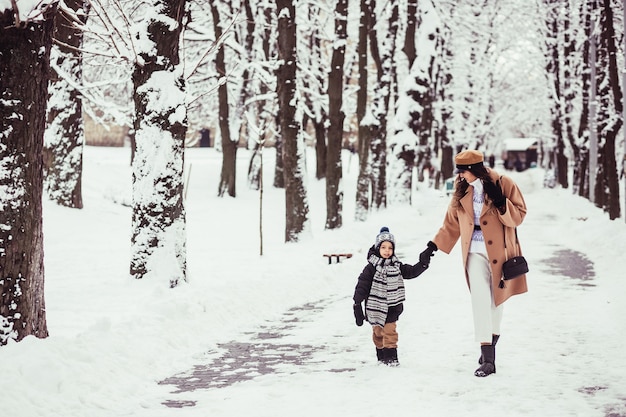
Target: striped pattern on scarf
(387, 289)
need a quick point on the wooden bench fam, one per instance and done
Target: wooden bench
(337, 256)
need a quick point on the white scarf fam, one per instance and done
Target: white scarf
(477, 243)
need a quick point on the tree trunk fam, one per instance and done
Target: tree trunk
(443, 110)
(409, 34)
(569, 94)
(581, 173)
(65, 136)
(264, 108)
(413, 124)
(378, 130)
(158, 223)
(611, 103)
(334, 196)
(320, 148)
(247, 87)
(279, 166)
(24, 65)
(297, 209)
(229, 147)
(553, 68)
(364, 132)
(364, 179)
(313, 86)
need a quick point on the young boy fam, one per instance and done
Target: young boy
(381, 286)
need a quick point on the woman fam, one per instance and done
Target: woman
(484, 209)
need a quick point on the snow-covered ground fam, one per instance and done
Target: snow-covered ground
(112, 338)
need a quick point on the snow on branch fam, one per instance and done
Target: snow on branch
(28, 10)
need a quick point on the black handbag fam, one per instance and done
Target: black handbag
(513, 267)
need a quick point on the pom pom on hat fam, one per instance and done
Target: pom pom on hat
(466, 160)
(384, 236)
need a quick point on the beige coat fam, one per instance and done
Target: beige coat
(459, 222)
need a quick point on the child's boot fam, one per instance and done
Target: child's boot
(390, 356)
(380, 355)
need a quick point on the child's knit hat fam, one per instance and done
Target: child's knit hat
(384, 235)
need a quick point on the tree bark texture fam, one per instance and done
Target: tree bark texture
(610, 110)
(404, 143)
(297, 209)
(581, 173)
(158, 243)
(320, 147)
(553, 69)
(377, 132)
(24, 65)
(334, 195)
(265, 109)
(364, 133)
(229, 147)
(385, 66)
(444, 110)
(65, 136)
(409, 36)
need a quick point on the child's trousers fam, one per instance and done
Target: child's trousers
(385, 337)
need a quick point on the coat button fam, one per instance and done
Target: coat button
(490, 242)
(495, 261)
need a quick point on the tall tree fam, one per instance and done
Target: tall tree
(364, 133)
(411, 27)
(334, 194)
(229, 146)
(314, 83)
(263, 82)
(383, 56)
(158, 224)
(581, 168)
(609, 115)
(65, 136)
(297, 208)
(553, 71)
(24, 65)
(413, 116)
(443, 107)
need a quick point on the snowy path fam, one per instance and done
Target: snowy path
(555, 357)
(274, 335)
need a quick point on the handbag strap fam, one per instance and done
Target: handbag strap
(506, 255)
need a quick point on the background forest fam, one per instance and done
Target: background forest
(404, 85)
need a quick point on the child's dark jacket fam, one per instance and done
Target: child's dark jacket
(364, 283)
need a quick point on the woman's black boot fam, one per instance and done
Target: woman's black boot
(488, 366)
(379, 355)
(494, 340)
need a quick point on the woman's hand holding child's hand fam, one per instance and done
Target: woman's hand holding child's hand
(428, 253)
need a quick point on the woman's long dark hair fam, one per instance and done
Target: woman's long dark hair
(461, 186)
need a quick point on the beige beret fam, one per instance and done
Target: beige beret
(467, 158)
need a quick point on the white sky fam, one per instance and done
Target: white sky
(113, 338)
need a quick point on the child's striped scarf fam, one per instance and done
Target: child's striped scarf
(387, 289)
